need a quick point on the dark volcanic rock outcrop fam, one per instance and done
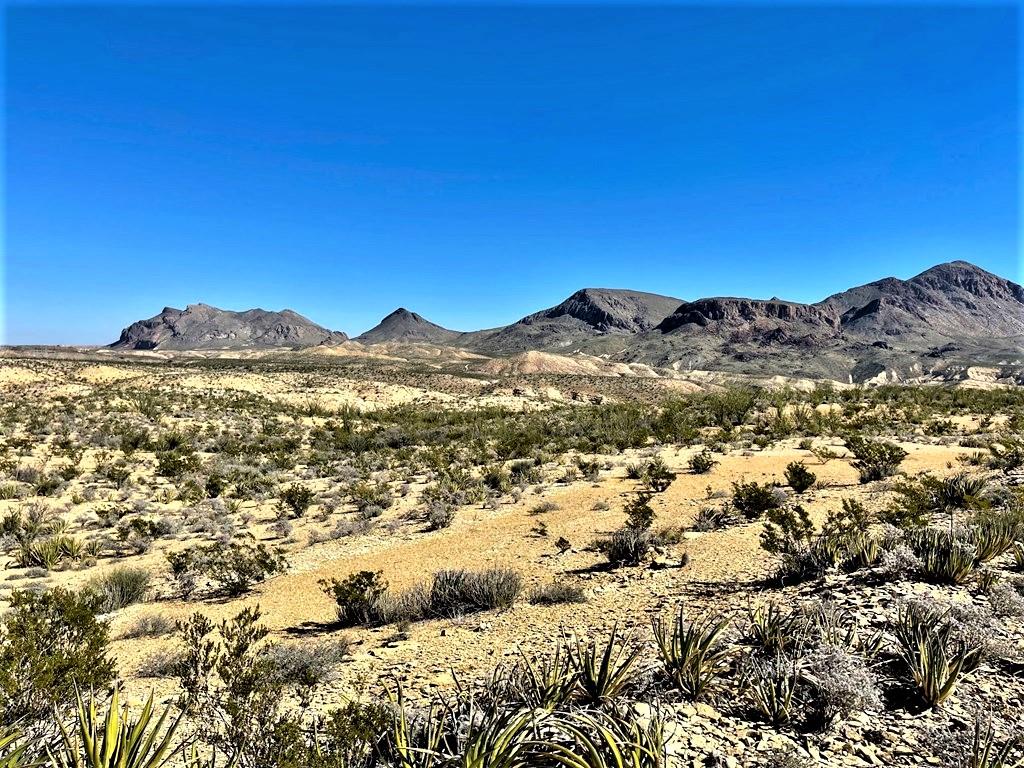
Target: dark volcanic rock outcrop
(405, 326)
(608, 310)
(954, 300)
(728, 316)
(200, 326)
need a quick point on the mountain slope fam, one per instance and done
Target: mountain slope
(956, 300)
(200, 326)
(588, 314)
(405, 326)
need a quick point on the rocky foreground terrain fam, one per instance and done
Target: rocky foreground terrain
(345, 560)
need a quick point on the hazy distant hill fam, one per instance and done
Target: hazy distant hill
(200, 326)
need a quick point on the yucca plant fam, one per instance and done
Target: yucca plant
(602, 674)
(944, 557)
(925, 640)
(114, 740)
(692, 653)
(1018, 556)
(607, 741)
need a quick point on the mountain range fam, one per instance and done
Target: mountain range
(953, 312)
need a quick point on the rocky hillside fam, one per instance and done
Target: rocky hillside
(955, 300)
(588, 314)
(200, 326)
(405, 326)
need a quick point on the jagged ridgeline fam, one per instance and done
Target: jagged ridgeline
(955, 312)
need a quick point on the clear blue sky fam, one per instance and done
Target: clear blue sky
(476, 163)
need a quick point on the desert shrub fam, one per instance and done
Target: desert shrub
(557, 592)
(175, 463)
(525, 473)
(359, 598)
(305, 667)
(875, 459)
(713, 518)
(702, 463)
(626, 546)
(1005, 599)
(439, 515)
(497, 479)
(753, 499)
(843, 681)
(692, 654)
(121, 587)
(799, 477)
(296, 500)
(149, 626)
(231, 687)
(231, 569)
(50, 642)
(656, 476)
(457, 592)
(639, 514)
(364, 599)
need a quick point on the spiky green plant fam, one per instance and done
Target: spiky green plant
(985, 752)
(13, 754)
(416, 744)
(548, 683)
(502, 741)
(606, 741)
(693, 654)
(603, 673)
(773, 684)
(773, 629)
(114, 740)
(926, 645)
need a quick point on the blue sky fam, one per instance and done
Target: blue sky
(476, 163)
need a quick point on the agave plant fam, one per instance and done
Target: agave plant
(774, 629)
(12, 754)
(548, 683)
(606, 741)
(692, 653)
(114, 740)
(503, 741)
(603, 674)
(926, 645)
(985, 752)
(417, 744)
(773, 684)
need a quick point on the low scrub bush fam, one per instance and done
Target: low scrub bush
(753, 499)
(874, 459)
(230, 569)
(121, 587)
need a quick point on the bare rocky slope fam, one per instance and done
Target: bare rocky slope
(405, 326)
(200, 326)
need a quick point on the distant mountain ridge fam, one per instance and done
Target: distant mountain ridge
(951, 312)
(200, 326)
